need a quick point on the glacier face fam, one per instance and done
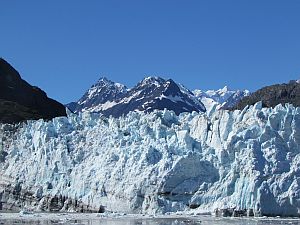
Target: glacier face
(160, 162)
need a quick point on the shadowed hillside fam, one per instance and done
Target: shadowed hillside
(20, 101)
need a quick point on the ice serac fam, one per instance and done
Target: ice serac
(231, 162)
(150, 94)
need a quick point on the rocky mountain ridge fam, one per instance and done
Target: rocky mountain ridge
(152, 93)
(272, 95)
(19, 101)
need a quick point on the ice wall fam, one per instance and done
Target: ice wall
(159, 162)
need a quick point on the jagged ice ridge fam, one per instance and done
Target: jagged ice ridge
(160, 162)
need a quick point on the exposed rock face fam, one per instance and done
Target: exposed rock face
(14, 198)
(104, 91)
(20, 101)
(273, 95)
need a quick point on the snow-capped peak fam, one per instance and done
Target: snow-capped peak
(224, 89)
(152, 93)
(103, 91)
(152, 80)
(220, 94)
(221, 98)
(104, 82)
(104, 79)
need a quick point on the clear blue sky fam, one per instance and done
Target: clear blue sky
(64, 46)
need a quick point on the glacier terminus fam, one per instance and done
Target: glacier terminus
(231, 162)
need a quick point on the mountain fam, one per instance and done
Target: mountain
(98, 97)
(273, 95)
(220, 99)
(233, 163)
(19, 101)
(148, 95)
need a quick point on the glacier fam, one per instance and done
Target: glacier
(229, 161)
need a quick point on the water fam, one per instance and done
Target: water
(83, 219)
(104, 222)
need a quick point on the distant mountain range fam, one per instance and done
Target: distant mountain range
(151, 93)
(220, 99)
(20, 101)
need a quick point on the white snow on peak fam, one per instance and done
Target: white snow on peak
(160, 162)
(104, 82)
(101, 107)
(216, 99)
(224, 89)
(172, 98)
(150, 78)
(153, 80)
(220, 95)
(101, 95)
(192, 96)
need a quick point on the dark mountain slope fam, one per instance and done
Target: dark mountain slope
(273, 95)
(20, 101)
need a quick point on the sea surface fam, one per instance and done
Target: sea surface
(85, 219)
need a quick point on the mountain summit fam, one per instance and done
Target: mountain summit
(149, 94)
(94, 99)
(20, 101)
(223, 98)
